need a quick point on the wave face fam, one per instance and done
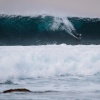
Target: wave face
(43, 29)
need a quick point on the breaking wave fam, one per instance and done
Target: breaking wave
(46, 29)
(48, 61)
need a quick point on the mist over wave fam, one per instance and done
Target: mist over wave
(48, 61)
(48, 29)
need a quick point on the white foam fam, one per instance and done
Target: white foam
(48, 61)
(63, 23)
(67, 25)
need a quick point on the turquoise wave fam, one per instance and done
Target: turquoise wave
(39, 30)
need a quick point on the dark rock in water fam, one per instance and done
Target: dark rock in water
(16, 90)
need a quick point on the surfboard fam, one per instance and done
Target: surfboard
(77, 36)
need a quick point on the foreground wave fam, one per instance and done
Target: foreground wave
(50, 71)
(46, 29)
(48, 61)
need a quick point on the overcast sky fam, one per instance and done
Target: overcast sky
(68, 7)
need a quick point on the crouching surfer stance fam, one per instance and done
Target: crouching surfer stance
(76, 35)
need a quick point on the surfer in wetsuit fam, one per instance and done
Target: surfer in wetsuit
(76, 35)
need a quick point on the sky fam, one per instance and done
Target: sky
(68, 7)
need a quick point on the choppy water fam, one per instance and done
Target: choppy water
(52, 72)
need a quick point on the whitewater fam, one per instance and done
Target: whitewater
(49, 61)
(56, 72)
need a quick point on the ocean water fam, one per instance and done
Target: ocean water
(56, 72)
(48, 29)
(56, 58)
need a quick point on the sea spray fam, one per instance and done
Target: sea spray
(48, 61)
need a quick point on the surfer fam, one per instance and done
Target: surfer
(76, 35)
